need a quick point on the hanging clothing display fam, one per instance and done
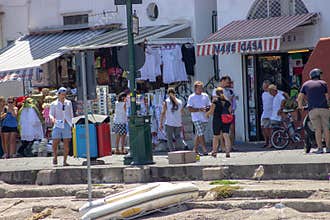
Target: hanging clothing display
(174, 69)
(151, 67)
(189, 58)
(30, 122)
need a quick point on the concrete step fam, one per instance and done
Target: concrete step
(163, 172)
(301, 205)
(247, 194)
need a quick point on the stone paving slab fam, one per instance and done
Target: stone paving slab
(237, 158)
(283, 164)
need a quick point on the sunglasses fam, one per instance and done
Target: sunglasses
(10, 102)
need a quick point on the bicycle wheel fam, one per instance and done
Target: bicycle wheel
(280, 139)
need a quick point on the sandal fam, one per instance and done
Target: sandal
(124, 151)
(214, 154)
(54, 161)
(117, 151)
(65, 164)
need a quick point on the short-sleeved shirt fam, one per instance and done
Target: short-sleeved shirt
(198, 101)
(277, 102)
(267, 105)
(315, 91)
(62, 111)
(173, 116)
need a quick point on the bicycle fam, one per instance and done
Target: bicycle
(282, 135)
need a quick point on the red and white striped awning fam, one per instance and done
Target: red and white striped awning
(255, 35)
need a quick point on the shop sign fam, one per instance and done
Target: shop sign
(247, 46)
(238, 47)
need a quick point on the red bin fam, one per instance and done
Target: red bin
(103, 139)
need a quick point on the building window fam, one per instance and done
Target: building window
(152, 11)
(276, 8)
(75, 19)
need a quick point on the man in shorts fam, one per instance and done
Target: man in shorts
(198, 104)
(316, 92)
(61, 115)
(267, 105)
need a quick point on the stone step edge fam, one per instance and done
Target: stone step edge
(267, 194)
(301, 205)
(245, 194)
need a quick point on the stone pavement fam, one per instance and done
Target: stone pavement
(279, 164)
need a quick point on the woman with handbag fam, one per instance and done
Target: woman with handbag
(222, 119)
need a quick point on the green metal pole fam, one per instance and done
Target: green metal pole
(131, 58)
(128, 159)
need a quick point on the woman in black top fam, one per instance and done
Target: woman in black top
(220, 105)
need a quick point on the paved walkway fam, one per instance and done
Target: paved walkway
(248, 154)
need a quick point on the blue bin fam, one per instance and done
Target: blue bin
(81, 140)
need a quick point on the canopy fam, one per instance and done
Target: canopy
(253, 35)
(25, 56)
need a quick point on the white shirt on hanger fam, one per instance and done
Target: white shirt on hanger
(151, 67)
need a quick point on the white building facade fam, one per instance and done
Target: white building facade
(281, 65)
(21, 17)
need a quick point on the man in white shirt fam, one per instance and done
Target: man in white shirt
(278, 104)
(198, 104)
(267, 108)
(61, 115)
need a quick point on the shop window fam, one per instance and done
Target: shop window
(75, 19)
(276, 8)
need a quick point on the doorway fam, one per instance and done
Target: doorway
(272, 67)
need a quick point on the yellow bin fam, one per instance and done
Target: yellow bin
(74, 141)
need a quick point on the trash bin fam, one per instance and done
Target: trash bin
(74, 141)
(103, 139)
(81, 140)
(140, 140)
(102, 134)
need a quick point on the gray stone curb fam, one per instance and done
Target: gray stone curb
(74, 175)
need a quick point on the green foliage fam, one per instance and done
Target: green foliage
(223, 182)
(225, 191)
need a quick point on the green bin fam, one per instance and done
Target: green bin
(140, 140)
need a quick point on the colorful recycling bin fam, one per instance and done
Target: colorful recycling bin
(81, 141)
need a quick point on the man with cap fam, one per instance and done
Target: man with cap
(61, 115)
(315, 91)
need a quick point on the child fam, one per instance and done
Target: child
(120, 121)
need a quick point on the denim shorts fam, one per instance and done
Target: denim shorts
(62, 133)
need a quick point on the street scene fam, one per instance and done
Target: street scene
(164, 109)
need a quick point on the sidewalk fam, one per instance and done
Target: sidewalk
(278, 164)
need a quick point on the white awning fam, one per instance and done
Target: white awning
(25, 56)
(118, 37)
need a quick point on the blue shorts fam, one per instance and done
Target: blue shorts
(62, 133)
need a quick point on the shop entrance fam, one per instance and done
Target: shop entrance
(282, 69)
(260, 68)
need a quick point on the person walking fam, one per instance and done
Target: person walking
(9, 128)
(120, 123)
(61, 115)
(172, 114)
(199, 103)
(315, 91)
(219, 107)
(267, 106)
